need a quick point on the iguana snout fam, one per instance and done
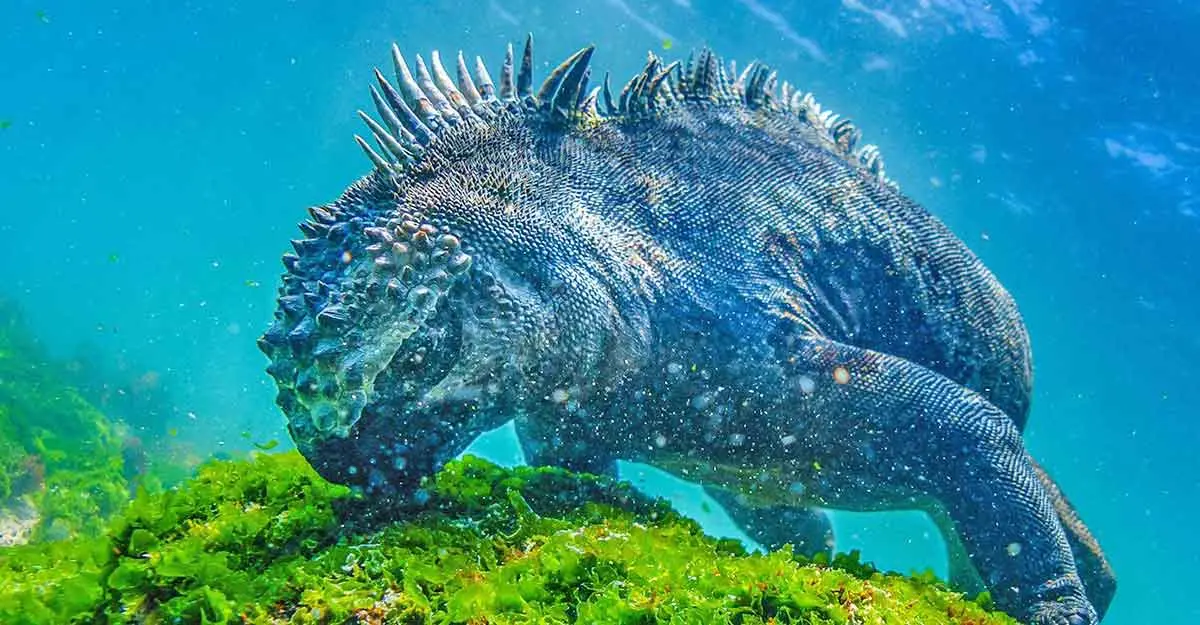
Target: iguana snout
(366, 340)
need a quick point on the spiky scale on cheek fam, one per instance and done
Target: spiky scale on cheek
(345, 321)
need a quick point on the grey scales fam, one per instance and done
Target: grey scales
(701, 271)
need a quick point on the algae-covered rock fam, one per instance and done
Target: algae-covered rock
(61, 465)
(268, 541)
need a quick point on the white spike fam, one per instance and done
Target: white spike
(465, 84)
(379, 162)
(446, 85)
(386, 139)
(425, 80)
(416, 99)
(487, 89)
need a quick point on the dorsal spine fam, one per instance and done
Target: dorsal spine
(430, 103)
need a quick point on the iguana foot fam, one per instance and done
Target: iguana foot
(1066, 612)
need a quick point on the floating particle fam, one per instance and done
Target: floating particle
(796, 489)
(660, 441)
(674, 368)
(347, 257)
(5, 124)
(737, 439)
(267, 446)
(788, 440)
(253, 284)
(667, 44)
(1013, 549)
(841, 375)
(559, 395)
(807, 384)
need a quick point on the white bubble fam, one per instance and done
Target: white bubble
(807, 384)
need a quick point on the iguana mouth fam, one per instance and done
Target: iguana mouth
(398, 425)
(422, 363)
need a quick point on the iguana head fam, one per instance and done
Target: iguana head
(395, 331)
(412, 314)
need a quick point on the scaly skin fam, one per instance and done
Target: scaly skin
(707, 278)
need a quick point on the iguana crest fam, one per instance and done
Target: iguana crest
(442, 104)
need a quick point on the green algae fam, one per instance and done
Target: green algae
(58, 453)
(268, 541)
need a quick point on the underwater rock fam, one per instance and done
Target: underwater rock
(17, 522)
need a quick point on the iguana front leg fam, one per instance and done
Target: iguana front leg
(887, 431)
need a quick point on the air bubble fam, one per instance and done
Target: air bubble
(807, 384)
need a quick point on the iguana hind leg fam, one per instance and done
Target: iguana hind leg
(890, 433)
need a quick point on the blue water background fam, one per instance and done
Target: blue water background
(159, 154)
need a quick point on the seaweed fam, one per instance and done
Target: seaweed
(266, 540)
(59, 455)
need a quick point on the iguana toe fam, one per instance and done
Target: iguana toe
(1073, 612)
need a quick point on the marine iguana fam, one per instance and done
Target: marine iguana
(701, 272)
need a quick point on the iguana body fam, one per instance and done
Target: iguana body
(707, 278)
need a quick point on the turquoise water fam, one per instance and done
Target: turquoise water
(154, 159)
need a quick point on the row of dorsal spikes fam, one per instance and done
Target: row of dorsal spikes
(429, 101)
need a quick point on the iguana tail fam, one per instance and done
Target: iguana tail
(1099, 581)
